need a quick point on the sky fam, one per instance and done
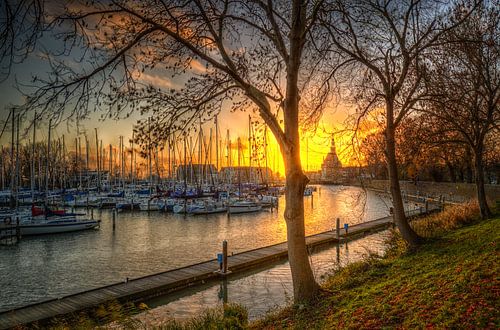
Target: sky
(313, 150)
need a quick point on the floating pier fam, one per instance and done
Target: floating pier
(176, 279)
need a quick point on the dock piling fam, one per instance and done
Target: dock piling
(114, 218)
(224, 256)
(92, 214)
(18, 229)
(337, 229)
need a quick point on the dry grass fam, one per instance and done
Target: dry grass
(452, 217)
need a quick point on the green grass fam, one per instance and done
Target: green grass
(452, 281)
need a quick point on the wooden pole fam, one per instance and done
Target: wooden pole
(337, 229)
(224, 257)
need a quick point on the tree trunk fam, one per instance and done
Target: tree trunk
(479, 178)
(409, 235)
(451, 171)
(304, 284)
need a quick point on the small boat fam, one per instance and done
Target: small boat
(151, 205)
(63, 224)
(127, 206)
(244, 206)
(208, 208)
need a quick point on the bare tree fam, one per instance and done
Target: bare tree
(241, 54)
(383, 44)
(466, 80)
(21, 24)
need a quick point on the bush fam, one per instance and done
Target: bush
(452, 217)
(230, 316)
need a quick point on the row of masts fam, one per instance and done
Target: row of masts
(51, 165)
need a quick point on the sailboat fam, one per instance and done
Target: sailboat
(46, 221)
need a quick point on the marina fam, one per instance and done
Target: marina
(161, 283)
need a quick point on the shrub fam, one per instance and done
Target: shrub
(451, 217)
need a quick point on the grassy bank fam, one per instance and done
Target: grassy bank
(450, 282)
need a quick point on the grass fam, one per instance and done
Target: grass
(452, 281)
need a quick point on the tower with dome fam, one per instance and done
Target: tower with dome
(331, 164)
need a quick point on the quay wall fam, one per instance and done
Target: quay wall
(457, 192)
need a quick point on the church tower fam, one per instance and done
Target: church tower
(331, 164)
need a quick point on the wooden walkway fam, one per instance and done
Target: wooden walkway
(164, 282)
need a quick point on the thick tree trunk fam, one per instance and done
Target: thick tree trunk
(409, 235)
(304, 284)
(479, 178)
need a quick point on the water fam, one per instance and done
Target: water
(46, 267)
(260, 291)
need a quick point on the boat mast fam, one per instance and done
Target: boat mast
(87, 160)
(17, 160)
(265, 153)
(47, 166)
(239, 169)
(132, 161)
(12, 170)
(250, 149)
(110, 161)
(149, 157)
(97, 161)
(33, 161)
(217, 147)
(63, 156)
(78, 162)
(185, 173)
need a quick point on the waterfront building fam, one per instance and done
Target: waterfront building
(331, 167)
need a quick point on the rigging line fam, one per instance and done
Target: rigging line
(5, 125)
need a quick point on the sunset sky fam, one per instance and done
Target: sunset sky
(109, 130)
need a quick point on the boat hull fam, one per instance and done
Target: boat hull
(55, 228)
(244, 209)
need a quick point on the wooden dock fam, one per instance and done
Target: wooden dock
(172, 280)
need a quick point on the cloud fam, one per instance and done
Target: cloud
(154, 80)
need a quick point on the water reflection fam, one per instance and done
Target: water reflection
(41, 268)
(261, 290)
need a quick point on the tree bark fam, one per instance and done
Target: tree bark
(304, 284)
(409, 235)
(479, 178)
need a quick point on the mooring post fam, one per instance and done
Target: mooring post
(92, 213)
(114, 218)
(337, 229)
(312, 200)
(18, 229)
(224, 256)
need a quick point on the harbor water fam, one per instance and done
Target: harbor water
(52, 266)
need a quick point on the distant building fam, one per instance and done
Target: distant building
(331, 167)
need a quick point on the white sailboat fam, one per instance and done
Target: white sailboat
(244, 206)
